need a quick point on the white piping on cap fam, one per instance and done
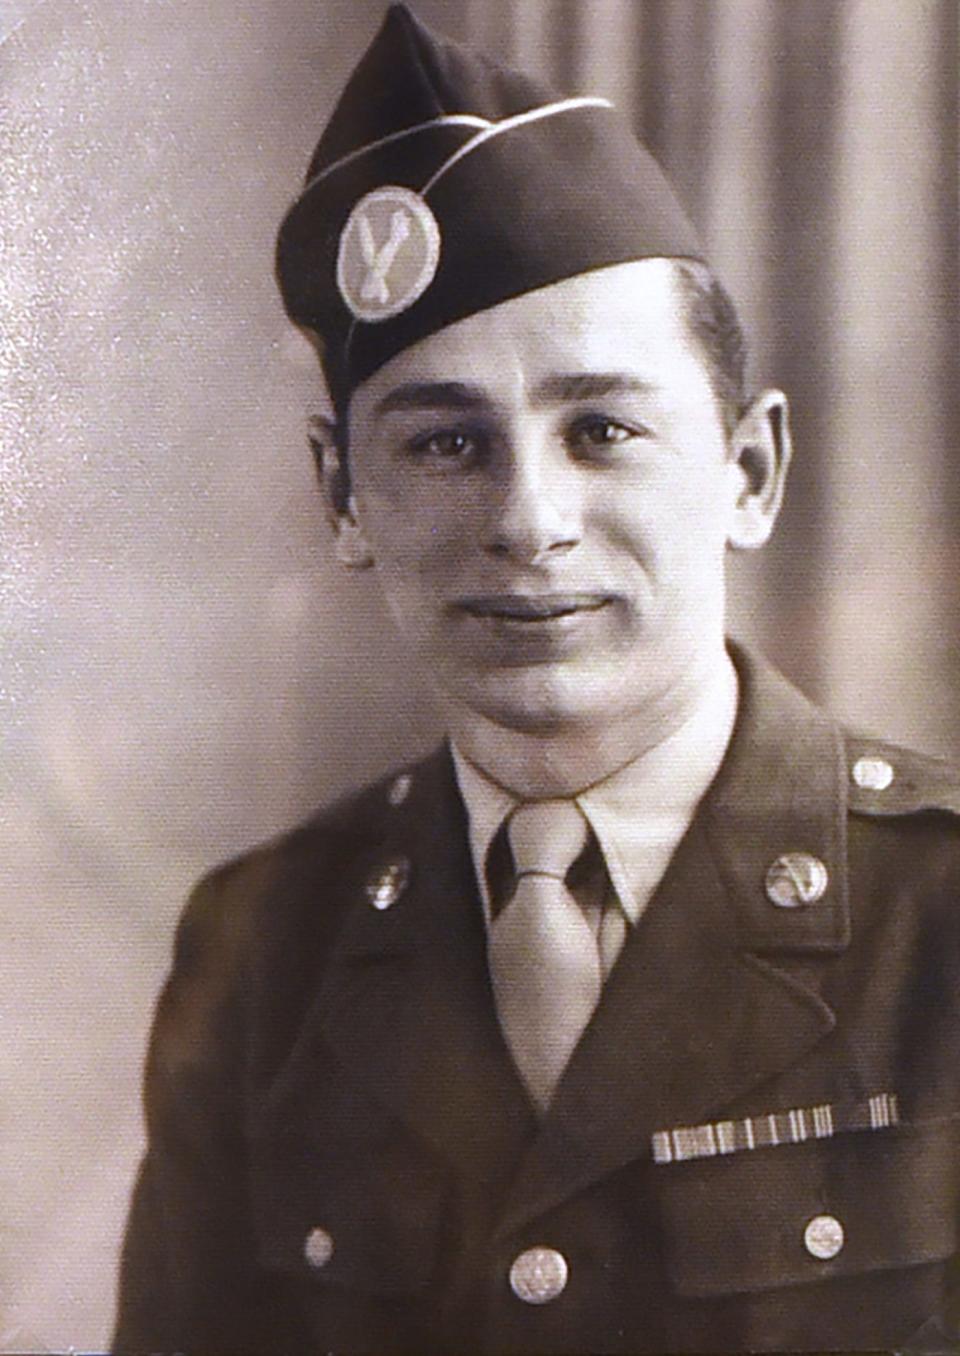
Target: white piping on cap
(508, 124)
(445, 120)
(487, 130)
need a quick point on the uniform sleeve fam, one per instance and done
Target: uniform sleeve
(188, 1279)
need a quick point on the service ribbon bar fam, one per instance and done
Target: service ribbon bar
(779, 1127)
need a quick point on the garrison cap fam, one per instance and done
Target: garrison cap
(445, 184)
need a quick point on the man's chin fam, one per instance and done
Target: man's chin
(535, 699)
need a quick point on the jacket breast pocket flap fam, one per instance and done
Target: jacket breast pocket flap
(361, 1216)
(801, 1213)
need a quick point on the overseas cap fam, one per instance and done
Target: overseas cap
(444, 184)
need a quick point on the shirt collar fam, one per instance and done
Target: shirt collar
(639, 813)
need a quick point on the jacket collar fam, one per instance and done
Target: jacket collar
(781, 789)
(638, 813)
(405, 1000)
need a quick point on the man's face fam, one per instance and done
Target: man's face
(546, 491)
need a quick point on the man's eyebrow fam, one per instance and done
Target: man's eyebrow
(588, 386)
(553, 390)
(432, 395)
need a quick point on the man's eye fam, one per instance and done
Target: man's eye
(597, 431)
(445, 445)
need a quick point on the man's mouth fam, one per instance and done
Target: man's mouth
(532, 608)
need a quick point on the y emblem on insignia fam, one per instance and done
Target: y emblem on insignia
(389, 252)
(385, 885)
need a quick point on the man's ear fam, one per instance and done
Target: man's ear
(341, 507)
(760, 451)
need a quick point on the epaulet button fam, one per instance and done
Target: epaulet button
(887, 780)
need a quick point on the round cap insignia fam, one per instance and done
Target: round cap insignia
(388, 255)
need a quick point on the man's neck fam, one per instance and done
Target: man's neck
(533, 765)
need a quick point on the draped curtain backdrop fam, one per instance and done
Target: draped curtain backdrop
(815, 144)
(184, 670)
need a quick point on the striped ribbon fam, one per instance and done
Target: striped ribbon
(779, 1127)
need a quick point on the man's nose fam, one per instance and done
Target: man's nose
(538, 509)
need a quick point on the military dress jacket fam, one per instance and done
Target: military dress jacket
(755, 1146)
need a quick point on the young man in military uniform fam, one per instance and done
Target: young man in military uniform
(628, 1020)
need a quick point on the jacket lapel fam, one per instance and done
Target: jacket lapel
(697, 1011)
(406, 1004)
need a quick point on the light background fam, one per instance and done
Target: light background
(183, 669)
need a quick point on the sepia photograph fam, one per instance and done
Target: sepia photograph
(480, 683)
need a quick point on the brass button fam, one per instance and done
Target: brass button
(796, 879)
(872, 774)
(385, 885)
(539, 1275)
(823, 1237)
(400, 789)
(318, 1248)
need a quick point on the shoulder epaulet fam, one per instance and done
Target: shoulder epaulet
(887, 779)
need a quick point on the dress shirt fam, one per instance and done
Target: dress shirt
(638, 814)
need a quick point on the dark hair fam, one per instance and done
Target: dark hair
(712, 322)
(340, 489)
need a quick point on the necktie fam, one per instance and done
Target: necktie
(544, 961)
